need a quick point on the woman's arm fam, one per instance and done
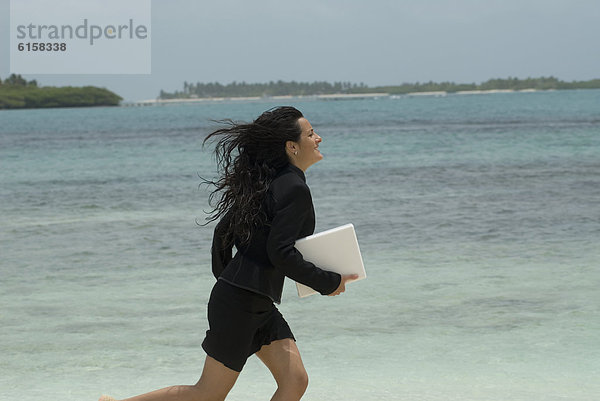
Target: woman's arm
(222, 246)
(290, 214)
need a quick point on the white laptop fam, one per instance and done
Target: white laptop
(334, 250)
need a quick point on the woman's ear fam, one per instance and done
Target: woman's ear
(291, 147)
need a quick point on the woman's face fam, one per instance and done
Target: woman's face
(305, 152)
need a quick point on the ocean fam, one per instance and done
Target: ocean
(478, 217)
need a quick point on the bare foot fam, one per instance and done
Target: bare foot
(106, 398)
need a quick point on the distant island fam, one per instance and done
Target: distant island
(281, 88)
(18, 93)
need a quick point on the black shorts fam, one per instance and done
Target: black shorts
(240, 323)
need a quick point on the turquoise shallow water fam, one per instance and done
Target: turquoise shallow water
(477, 217)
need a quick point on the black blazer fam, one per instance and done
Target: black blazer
(262, 264)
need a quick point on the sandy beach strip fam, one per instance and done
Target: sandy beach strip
(433, 93)
(351, 95)
(334, 96)
(484, 92)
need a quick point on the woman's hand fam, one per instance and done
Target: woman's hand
(342, 287)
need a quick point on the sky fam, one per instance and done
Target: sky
(377, 42)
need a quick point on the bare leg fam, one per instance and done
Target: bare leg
(214, 385)
(283, 359)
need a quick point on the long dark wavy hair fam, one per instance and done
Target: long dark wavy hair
(248, 157)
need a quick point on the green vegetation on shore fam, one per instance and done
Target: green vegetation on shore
(293, 88)
(17, 93)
